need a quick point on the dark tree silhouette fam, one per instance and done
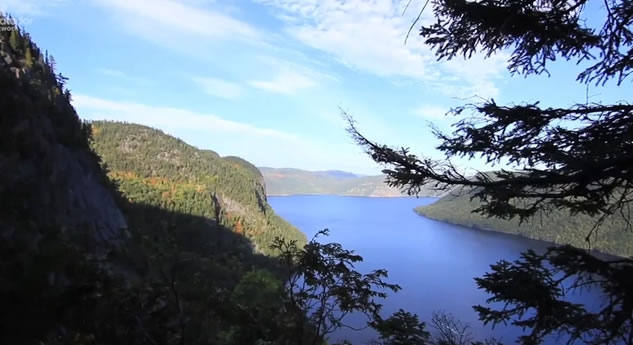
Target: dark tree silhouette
(401, 328)
(322, 288)
(585, 168)
(577, 159)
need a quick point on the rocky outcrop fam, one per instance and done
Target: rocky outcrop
(61, 229)
(49, 176)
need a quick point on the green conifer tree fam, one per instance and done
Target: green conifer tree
(28, 58)
(13, 40)
(52, 63)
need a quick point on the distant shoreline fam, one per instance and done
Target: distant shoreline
(603, 255)
(354, 195)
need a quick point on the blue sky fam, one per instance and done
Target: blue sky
(264, 79)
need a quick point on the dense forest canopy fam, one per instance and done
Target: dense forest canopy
(155, 168)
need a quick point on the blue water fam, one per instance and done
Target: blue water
(433, 262)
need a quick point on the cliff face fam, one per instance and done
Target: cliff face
(49, 176)
(149, 255)
(59, 215)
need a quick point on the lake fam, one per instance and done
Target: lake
(433, 262)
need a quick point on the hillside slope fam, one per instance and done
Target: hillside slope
(288, 181)
(165, 171)
(155, 260)
(59, 216)
(557, 227)
(48, 174)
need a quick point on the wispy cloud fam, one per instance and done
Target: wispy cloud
(153, 18)
(29, 7)
(369, 36)
(168, 118)
(433, 112)
(112, 72)
(291, 77)
(115, 73)
(219, 88)
(229, 137)
(285, 82)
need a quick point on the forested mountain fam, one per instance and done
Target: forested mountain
(558, 226)
(164, 248)
(153, 168)
(295, 181)
(155, 242)
(59, 218)
(242, 163)
(48, 173)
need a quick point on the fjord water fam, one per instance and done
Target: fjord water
(433, 262)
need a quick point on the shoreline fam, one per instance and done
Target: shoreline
(603, 255)
(352, 195)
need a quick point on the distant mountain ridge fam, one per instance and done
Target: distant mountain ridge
(339, 174)
(290, 181)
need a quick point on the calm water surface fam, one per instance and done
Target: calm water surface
(433, 262)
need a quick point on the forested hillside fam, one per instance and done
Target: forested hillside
(163, 249)
(156, 169)
(558, 226)
(295, 181)
(59, 218)
(242, 163)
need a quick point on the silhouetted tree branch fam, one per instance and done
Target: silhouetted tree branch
(321, 281)
(578, 159)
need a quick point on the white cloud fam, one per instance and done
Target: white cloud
(286, 82)
(291, 77)
(29, 7)
(168, 118)
(219, 88)
(112, 72)
(369, 36)
(261, 146)
(431, 112)
(480, 73)
(299, 63)
(155, 18)
(115, 73)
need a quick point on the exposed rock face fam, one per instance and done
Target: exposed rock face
(62, 234)
(49, 177)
